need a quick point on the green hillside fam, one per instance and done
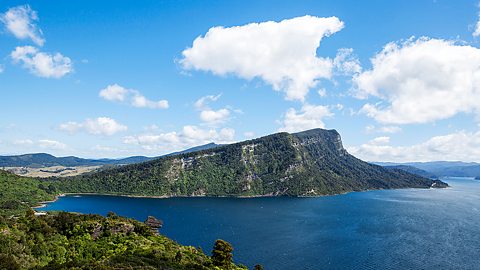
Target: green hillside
(74, 241)
(312, 162)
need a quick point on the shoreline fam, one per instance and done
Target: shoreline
(43, 204)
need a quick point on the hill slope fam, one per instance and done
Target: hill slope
(40, 160)
(312, 162)
(46, 160)
(441, 168)
(74, 241)
(413, 170)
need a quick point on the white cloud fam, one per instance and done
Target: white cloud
(282, 54)
(309, 117)
(2, 68)
(383, 129)
(115, 92)
(476, 30)
(322, 92)
(462, 145)
(209, 115)
(42, 64)
(51, 145)
(421, 81)
(202, 102)
(20, 21)
(140, 101)
(212, 116)
(173, 141)
(99, 126)
(380, 140)
(346, 63)
(23, 142)
(476, 33)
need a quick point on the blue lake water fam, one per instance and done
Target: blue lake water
(388, 229)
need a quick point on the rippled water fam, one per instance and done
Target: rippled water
(389, 229)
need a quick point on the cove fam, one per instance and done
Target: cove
(384, 229)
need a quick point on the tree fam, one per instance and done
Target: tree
(222, 254)
(258, 267)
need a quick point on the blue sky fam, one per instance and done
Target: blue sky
(121, 78)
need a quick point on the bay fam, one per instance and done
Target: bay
(383, 229)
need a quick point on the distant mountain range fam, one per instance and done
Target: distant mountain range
(438, 168)
(46, 160)
(312, 162)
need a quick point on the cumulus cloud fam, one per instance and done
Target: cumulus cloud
(115, 92)
(476, 32)
(346, 63)
(420, 81)
(20, 21)
(99, 126)
(208, 115)
(51, 145)
(382, 129)
(23, 142)
(189, 136)
(42, 64)
(309, 117)
(460, 145)
(39, 145)
(282, 54)
(202, 102)
(212, 116)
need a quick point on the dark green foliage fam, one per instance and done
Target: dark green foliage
(222, 254)
(413, 170)
(20, 193)
(302, 164)
(73, 241)
(258, 267)
(46, 160)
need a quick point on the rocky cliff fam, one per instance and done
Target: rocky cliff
(312, 162)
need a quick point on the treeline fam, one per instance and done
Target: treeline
(75, 241)
(307, 163)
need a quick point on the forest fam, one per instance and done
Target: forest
(309, 163)
(63, 240)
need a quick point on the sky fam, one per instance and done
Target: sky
(399, 80)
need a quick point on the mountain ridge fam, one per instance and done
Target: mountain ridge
(38, 160)
(440, 168)
(311, 162)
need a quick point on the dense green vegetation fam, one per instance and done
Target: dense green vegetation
(413, 170)
(74, 241)
(18, 194)
(306, 163)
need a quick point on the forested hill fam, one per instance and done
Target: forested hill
(312, 162)
(74, 241)
(39, 160)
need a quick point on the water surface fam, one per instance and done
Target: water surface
(388, 229)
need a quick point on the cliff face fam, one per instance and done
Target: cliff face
(312, 162)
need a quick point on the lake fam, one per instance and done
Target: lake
(386, 229)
